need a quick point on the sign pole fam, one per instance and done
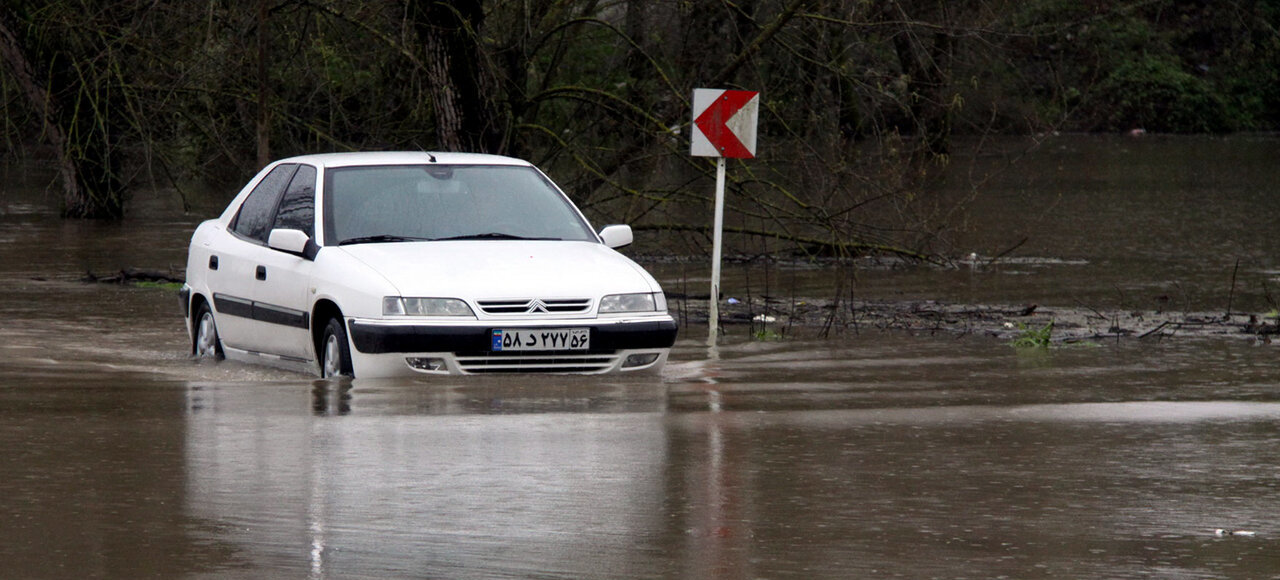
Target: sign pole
(724, 125)
(714, 314)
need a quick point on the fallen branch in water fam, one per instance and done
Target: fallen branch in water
(1154, 330)
(133, 276)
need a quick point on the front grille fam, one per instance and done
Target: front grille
(535, 306)
(536, 362)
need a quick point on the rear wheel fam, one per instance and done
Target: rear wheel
(335, 353)
(204, 335)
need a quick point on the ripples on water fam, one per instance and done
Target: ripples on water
(888, 456)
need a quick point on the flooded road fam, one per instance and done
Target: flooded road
(865, 454)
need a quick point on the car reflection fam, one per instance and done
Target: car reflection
(481, 479)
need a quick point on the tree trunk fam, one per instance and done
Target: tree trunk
(461, 89)
(264, 113)
(43, 103)
(90, 185)
(925, 59)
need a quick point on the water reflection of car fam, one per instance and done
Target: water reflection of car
(385, 264)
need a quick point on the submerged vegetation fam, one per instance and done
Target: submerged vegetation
(860, 100)
(1033, 337)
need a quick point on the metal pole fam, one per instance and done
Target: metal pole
(714, 313)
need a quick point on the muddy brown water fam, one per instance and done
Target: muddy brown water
(864, 454)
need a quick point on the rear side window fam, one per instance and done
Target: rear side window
(254, 219)
(298, 208)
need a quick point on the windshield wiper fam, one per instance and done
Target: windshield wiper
(491, 236)
(378, 239)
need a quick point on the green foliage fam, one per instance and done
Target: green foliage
(1163, 65)
(174, 286)
(1156, 94)
(1029, 337)
(766, 335)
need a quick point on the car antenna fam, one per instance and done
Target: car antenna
(430, 156)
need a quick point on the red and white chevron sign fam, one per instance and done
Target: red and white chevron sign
(724, 123)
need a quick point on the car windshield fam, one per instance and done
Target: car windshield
(446, 202)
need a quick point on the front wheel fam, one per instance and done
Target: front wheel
(335, 352)
(204, 337)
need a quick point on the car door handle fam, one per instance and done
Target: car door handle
(261, 273)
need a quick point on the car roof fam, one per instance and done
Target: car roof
(372, 158)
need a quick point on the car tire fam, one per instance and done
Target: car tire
(204, 334)
(335, 351)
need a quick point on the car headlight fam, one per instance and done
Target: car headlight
(643, 302)
(397, 306)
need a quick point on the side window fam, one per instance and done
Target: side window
(254, 219)
(298, 208)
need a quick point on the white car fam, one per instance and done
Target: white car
(391, 264)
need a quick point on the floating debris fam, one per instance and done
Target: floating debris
(1222, 533)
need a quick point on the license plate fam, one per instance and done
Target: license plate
(528, 339)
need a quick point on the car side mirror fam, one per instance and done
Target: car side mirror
(293, 242)
(616, 236)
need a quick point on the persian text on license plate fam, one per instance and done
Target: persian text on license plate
(541, 339)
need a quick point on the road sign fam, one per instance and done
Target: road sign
(724, 123)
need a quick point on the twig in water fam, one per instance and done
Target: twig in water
(1091, 309)
(1186, 299)
(853, 311)
(792, 317)
(835, 309)
(1231, 295)
(751, 317)
(993, 259)
(1153, 330)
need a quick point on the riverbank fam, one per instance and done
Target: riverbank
(767, 317)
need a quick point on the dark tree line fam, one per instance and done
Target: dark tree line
(862, 100)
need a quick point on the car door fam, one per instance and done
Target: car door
(281, 294)
(261, 293)
(234, 259)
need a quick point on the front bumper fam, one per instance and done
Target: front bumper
(395, 347)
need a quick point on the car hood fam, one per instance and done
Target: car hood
(498, 269)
